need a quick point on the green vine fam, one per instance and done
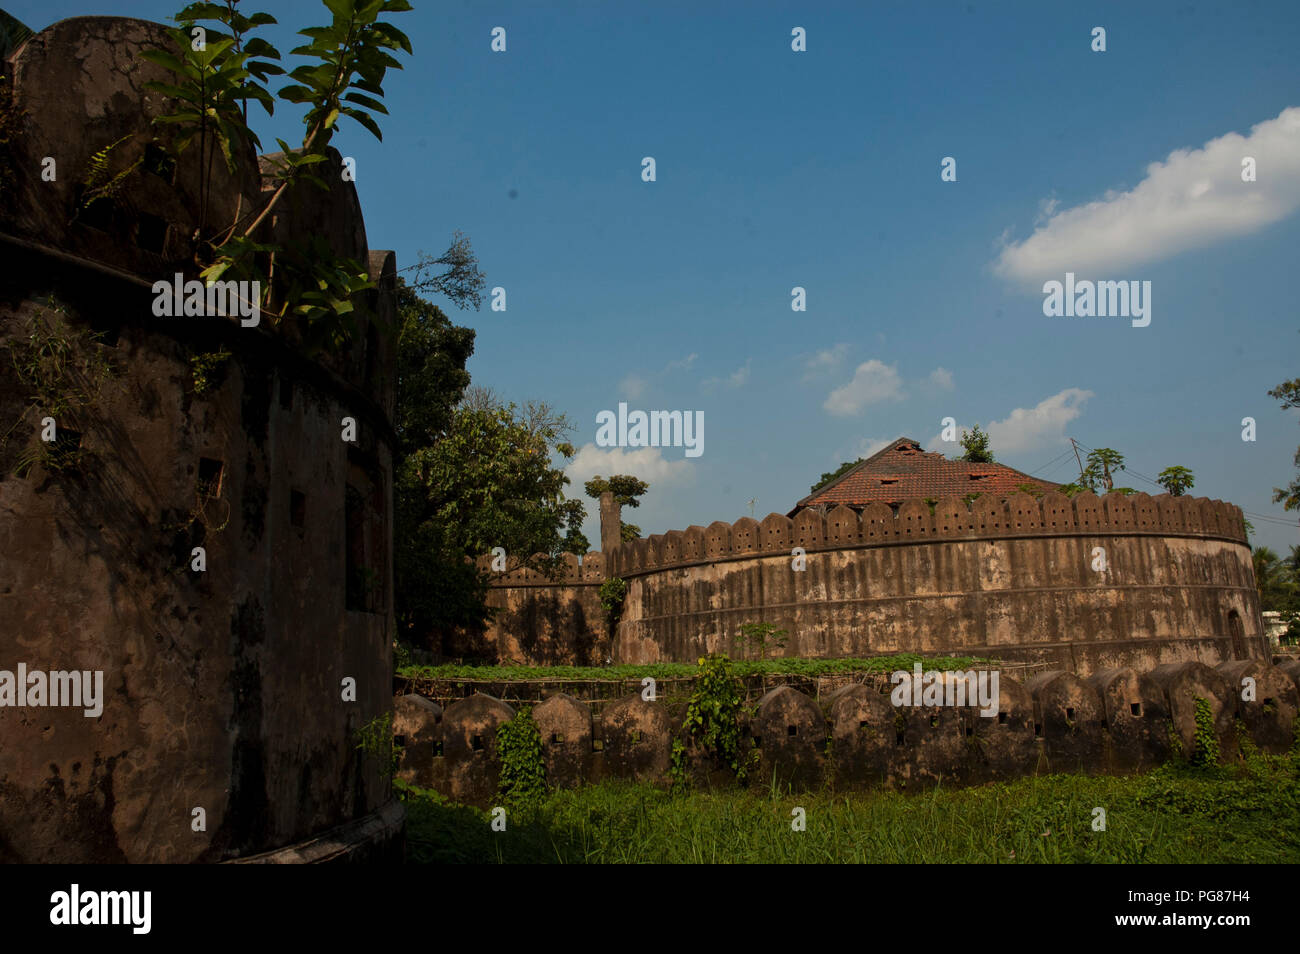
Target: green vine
(713, 719)
(1207, 743)
(375, 740)
(612, 594)
(206, 368)
(522, 783)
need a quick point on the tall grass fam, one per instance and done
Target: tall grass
(1249, 814)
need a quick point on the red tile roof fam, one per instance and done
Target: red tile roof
(903, 471)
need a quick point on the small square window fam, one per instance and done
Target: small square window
(791, 731)
(1135, 708)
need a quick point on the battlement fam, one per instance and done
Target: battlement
(952, 519)
(1120, 720)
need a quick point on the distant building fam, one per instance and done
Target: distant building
(903, 471)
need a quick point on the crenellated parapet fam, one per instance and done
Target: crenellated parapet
(952, 518)
(864, 735)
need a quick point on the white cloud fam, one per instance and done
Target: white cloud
(1031, 428)
(635, 385)
(873, 381)
(872, 445)
(632, 386)
(736, 379)
(1024, 428)
(648, 463)
(1193, 199)
(824, 361)
(940, 379)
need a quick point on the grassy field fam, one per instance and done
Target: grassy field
(741, 667)
(1246, 814)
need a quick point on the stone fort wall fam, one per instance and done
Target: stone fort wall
(223, 689)
(1120, 721)
(1013, 580)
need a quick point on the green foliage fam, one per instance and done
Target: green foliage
(100, 182)
(1071, 489)
(612, 594)
(835, 474)
(375, 740)
(626, 489)
(1288, 392)
(522, 782)
(975, 444)
(1170, 816)
(1278, 581)
(713, 714)
(486, 481)
(627, 532)
(206, 369)
(1206, 753)
(62, 371)
(1100, 469)
(770, 667)
(1176, 480)
(1034, 490)
(762, 637)
(208, 93)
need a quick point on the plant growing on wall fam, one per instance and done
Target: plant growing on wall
(375, 740)
(1206, 753)
(713, 718)
(61, 371)
(216, 69)
(522, 783)
(761, 637)
(1176, 480)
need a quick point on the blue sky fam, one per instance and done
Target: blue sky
(821, 169)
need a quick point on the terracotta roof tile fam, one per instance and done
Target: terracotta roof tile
(903, 471)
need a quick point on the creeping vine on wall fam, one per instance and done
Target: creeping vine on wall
(522, 782)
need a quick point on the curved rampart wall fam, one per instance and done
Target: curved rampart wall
(1020, 580)
(237, 690)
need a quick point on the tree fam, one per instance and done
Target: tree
(975, 444)
(835, 474)
(1288, 392)
(1099, 472)
(487, 482)
(626, 489)
(1176, 480)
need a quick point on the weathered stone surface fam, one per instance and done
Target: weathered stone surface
(791, 735)
(1270, 716)
(1137, 718)
(1004, 745)
(933, 747)
(637, 739)
(417, 728)
(222, 689)
(565, 726)
(863, 735)
(1182, 684)
(469, 744)
(1071, 720)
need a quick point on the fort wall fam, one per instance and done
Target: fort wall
(1118, 721)
(223, 689)
(1084, 584)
